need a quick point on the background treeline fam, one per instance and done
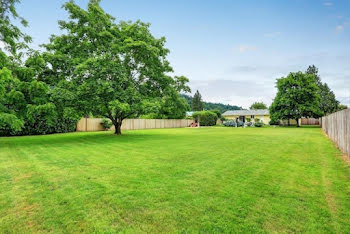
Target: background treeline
(210, 106)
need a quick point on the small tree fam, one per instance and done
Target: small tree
(258, 105)
(197, 104)
(297, 96)
(205, 118)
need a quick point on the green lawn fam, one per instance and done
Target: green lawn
(175, 180)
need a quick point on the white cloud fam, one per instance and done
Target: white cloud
(339, 28)
(328, 4)
(247, 48)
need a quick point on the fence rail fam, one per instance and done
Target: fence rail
(337, 127)
(94, 124)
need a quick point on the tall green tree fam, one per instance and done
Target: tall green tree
(297, 96)
(328, 102)
(258, 105)
(197, 104)
(114, 67)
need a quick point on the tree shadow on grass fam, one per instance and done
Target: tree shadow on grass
(88, 137)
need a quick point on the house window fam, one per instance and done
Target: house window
(252, 116)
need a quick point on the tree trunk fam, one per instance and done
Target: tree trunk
(118, 127)
(288, 122)
(297, 122)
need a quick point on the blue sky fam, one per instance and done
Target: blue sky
(232, 51)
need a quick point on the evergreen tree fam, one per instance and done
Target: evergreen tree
(328, 102)
(197, 104)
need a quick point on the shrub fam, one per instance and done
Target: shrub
(9, 124)
(230, 123)
(239, 123)
(258, 124)
(217, 112)
(248, 124)
(206, 118)
(67, 121)
(106, 123)
(256, 120)
(40, 119)
(274, 121)
(249, 119)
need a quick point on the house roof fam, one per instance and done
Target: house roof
(247, 112)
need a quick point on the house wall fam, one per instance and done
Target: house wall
(264, 118)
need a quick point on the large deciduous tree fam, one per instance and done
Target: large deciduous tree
(114, 67)
(297, 96)
(197, 104)
(258, 105)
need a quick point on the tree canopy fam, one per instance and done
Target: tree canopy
(258, 105)
(115, 68)
(297, 96)
(12, 37)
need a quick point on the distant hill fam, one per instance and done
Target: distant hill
(211, 106)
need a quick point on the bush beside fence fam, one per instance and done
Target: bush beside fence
(337, 127)
(94, 124)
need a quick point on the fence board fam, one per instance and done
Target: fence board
(310, 121)
(94, 124)
(337, 127)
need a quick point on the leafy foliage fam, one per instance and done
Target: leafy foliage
(13, 38)
(297, 96)
(258, 124)
(258, 105)
(230, 123)
(205, 118)
(38, 109)
(342, 107)
(217, 112)
(106, 123)
(328, 102)
(9, 124)
(116, 68)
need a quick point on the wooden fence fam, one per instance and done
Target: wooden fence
(94, 124)
(337, 127)
(309, 121)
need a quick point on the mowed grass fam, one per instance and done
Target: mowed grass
(175, 180)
